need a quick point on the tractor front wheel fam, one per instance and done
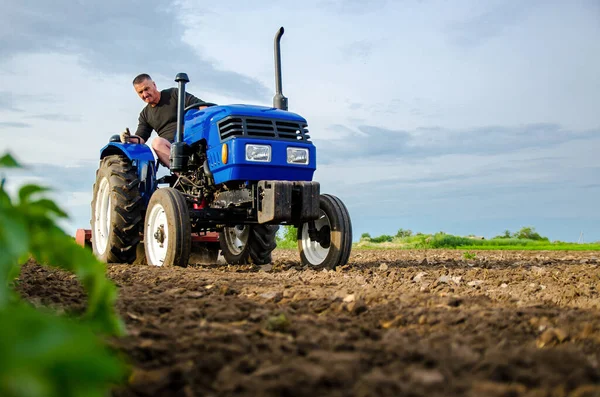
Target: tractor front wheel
(326, 243)
(244, 244)
(116, 211)
(167, 229)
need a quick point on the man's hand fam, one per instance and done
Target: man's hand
(125, 135)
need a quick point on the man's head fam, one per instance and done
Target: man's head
(146, 89)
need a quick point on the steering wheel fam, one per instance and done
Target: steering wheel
(197, 105)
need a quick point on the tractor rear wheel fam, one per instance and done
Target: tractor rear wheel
(330, 244)
(116, 211)
(244, 244)
(167, 229)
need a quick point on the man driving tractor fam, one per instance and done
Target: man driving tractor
(160, 115)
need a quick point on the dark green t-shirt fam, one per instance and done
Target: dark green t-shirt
(162, 118)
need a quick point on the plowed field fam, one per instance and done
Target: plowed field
(390, 323)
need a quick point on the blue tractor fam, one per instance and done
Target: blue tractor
(237, 172)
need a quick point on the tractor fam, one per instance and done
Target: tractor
(236, 173)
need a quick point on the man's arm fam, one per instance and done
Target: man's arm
(191, 99)
(144, 129)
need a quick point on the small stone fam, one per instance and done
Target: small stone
(551, 336)
(175, 291)
(503, 285)
(349, 298)
(383, 267)
(427, 376)
(266, 268)
(419, 276)
(226, 290)
(395, 322)
(356, 307)
(272, 296)
(424, 262)
(444, 279)
(538, 270)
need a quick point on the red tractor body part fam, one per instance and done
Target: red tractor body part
(83, 237)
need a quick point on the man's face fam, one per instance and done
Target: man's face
(147, 92)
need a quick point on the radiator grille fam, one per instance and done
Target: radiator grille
(262, 128)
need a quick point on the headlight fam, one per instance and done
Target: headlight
(258, 153)
(297, 155)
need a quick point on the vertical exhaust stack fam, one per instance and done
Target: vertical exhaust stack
(178, 159)
(279, 101)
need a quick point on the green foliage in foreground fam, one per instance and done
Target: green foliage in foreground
(43, 354)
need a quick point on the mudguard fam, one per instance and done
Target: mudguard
(142, 158)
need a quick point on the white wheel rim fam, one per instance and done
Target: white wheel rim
(313, 251)
(102, 213)
(236, 238)
(157, 236)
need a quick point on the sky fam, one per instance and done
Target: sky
(460, 116)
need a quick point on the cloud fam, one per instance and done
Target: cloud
(475, 30)
(359, 51)
(353, 7)
(13, 124)
(7, 102)
(60, 178)
(375, 142)
(116, 37)
(55, 117)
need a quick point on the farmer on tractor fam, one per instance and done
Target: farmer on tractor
(160, 115)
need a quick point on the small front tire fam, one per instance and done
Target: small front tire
(332, 243)
(167, 229)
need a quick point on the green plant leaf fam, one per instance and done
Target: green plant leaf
(46, 355)
(7, 161)
(27, 191)
(49, 206)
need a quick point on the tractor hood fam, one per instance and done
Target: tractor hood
(198, 123)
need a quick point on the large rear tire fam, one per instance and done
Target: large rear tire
(116, 211)
(332, 244)
(245, 244)
(167, 229)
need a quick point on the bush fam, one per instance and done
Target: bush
(404, 233)
(44, 354)
(530, 234)
(382, 239)
(443, 240)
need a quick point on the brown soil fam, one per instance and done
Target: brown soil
(391, 323)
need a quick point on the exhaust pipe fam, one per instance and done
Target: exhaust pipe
(279, 101)
(178, 159)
